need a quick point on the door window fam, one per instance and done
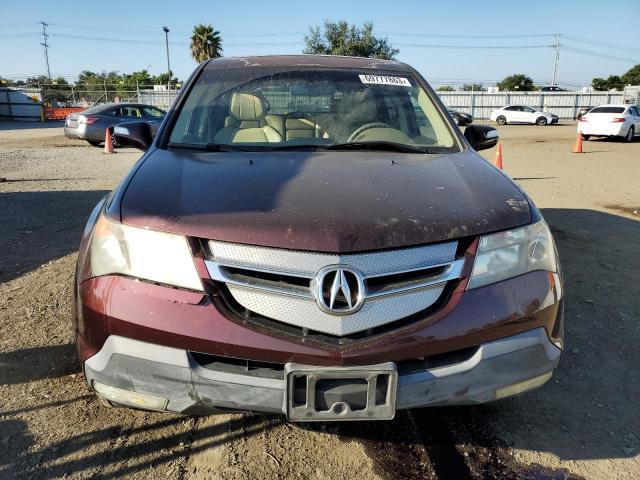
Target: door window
(152, 112)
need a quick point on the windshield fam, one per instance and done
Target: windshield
(266, 108)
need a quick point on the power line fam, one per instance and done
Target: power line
(598, 43)
(598, 54)
(449, 35)
(158, 42)
(471, 47)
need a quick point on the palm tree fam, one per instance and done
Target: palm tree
(205, 43)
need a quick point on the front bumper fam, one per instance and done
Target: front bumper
(497, 369)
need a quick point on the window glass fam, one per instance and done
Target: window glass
(308, 106)
(152, 112)
(607, 110)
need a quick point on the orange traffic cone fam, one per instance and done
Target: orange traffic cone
(108, 144)
(578, 146)
(498, 161)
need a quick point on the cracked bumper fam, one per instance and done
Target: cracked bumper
(498, 369)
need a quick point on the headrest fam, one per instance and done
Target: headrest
(247, 106)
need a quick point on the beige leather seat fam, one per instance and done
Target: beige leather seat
(247, 122)
(303, 128)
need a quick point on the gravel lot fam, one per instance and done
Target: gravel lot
(585, 423)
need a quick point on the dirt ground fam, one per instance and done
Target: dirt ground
(585, 423)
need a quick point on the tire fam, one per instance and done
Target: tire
(586, 137)
(542, 121)
(630, 134)
(94, 143)
(501, 120)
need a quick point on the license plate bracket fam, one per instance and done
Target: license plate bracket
(344, 393)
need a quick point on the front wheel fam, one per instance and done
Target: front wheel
(94, 143)
(586, 137)
(501, 120)
(542, 121)
(630, 133)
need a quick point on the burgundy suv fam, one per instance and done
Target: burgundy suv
(313, 236)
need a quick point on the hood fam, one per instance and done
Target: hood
(322, 201)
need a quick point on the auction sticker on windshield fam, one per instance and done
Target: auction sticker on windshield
(385, 80)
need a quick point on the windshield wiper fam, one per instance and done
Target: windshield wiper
(208, 147)
(390, 146)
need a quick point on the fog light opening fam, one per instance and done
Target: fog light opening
(127, 397)
(520, 387)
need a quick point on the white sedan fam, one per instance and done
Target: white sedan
(522, 114)
(611, 121)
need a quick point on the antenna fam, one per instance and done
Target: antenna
(45, 45)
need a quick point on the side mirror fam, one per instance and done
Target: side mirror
(133, 134)
(481, 137)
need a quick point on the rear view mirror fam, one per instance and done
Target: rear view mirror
(133, 134)
(481, 137)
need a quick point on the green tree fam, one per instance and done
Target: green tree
(136, 79)
(473, 87)
(632, 76)
(37, 81)
(445, 88)
(163, 78)
(340, 38)
(517, 81)
(206, 43)
(613, 82)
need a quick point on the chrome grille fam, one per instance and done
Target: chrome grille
(281, 284)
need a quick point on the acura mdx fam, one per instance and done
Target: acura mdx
(313, 236)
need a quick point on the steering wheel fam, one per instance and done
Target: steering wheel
(358, 131)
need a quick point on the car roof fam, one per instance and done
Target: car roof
(330, 61)
(124, 104)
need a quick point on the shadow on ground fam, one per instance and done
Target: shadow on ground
(160, 441)
(16, 125)
(30, 364)
(587, 412)
(38, 227)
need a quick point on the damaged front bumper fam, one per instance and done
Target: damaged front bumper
(154, 377)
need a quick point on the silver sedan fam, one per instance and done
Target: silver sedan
(90, 125)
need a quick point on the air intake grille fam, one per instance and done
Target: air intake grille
(372, 289)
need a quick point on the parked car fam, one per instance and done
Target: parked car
(583, 111)
(296, 240)
(552, 88)
(91, 124)
(460, 118)
(622, 121)
(522, 114)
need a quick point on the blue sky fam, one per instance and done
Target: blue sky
(278, 27)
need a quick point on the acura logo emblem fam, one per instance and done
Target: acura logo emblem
(339, 290)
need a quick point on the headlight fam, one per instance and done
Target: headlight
(511, 253)
(141, 253)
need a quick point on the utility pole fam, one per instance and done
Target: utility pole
(166, 38)
(555, 63)
(45, 45)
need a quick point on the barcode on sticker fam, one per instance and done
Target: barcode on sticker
(385, 80)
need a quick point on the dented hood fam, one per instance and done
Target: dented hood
(333, 201)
